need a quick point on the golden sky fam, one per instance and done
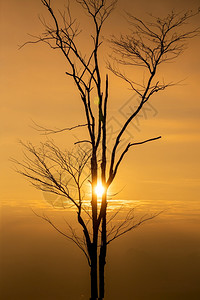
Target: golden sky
(34, 87)
(160, 259)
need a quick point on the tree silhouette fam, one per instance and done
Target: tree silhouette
(50, 169)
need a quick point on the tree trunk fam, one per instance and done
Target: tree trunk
(94, 282)
(93, 256)
(102, 261)
(93, 271)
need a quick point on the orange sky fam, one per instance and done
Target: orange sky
(159, 260)
(34, 86)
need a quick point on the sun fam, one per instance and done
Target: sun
(99, 189)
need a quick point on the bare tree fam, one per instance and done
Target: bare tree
(149, 45)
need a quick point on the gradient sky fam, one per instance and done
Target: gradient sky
(159, 260)
(34, 87)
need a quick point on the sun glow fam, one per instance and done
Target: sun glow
(99, 189)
